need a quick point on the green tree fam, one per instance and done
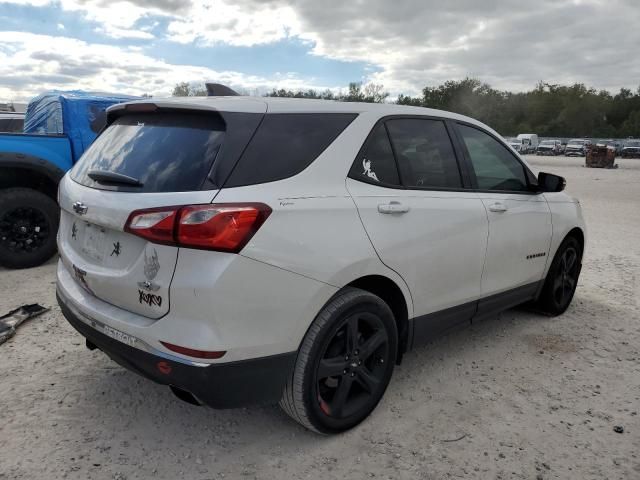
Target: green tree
(371, 93)
(547, 109)
(631, 126)
(187, 89)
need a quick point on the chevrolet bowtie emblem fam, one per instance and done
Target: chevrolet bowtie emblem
(80, 208)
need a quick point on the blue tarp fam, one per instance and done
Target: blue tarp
(79, 115)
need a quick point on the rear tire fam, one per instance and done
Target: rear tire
(344, 364)
(29, 223)
(562, 278)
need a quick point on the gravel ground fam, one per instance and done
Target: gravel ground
(516, 396)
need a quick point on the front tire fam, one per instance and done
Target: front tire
(28, 226)
(344, 364)
(562, 278)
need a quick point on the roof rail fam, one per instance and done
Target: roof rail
(219, 90)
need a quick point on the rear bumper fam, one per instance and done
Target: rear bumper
(226, 385)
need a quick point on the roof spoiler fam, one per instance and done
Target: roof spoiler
(219, 90)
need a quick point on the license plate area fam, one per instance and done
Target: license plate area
(93, 243)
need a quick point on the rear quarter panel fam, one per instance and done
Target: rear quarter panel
(314, 229)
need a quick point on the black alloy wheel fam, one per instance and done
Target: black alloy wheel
(566, 277)
(562, 278)
(352, 369)
(344, 363)
(24, 229)
(29, 222)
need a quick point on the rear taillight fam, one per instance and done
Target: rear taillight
(225, 227)
(154, 224)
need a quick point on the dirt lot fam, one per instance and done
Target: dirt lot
(519, 396)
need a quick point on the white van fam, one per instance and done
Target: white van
(529, 142)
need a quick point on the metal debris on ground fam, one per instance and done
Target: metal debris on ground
(455, 439)
(9, 322)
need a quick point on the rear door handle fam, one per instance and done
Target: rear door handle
(392, 207)
(498, 207)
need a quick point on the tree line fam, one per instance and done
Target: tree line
(548, 109)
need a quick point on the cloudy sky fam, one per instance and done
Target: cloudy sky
(147, 46)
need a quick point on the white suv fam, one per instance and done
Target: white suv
(246, 250)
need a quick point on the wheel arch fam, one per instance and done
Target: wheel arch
(578, 234)
(29, 172)
(575, 232)
(392, 294)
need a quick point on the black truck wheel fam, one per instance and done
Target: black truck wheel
(28, 226)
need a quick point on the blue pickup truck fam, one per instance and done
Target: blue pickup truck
(58, 127)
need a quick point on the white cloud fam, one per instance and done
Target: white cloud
(414, 43)
(33, 3)
(117, 19)
(411, 43)
(31, 63)
(116, 32)
(216, 21)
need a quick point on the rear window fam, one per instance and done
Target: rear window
(12, 125)
(285, 144)
(165, 152)
(17, 125)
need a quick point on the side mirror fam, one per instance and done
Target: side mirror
(548, 182)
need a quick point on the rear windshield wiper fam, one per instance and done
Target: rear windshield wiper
(102, 176)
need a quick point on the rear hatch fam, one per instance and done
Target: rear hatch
(144, 160)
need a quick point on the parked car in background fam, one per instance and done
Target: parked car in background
(516, 144)
(612, 144)
(549, 147)
(563, 145)
(631, 149)
(58, 128)
(577, 147)
(11, 122)
(188, 258)
(529, 142)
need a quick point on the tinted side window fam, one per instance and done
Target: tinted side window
(17, 125)
(5, 124)
(376, 164)
(285, 144)
(425, 154)
(494, 166)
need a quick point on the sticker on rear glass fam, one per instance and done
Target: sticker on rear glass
(151, 268)
(366, 164)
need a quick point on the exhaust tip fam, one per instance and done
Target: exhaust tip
(185, 396)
